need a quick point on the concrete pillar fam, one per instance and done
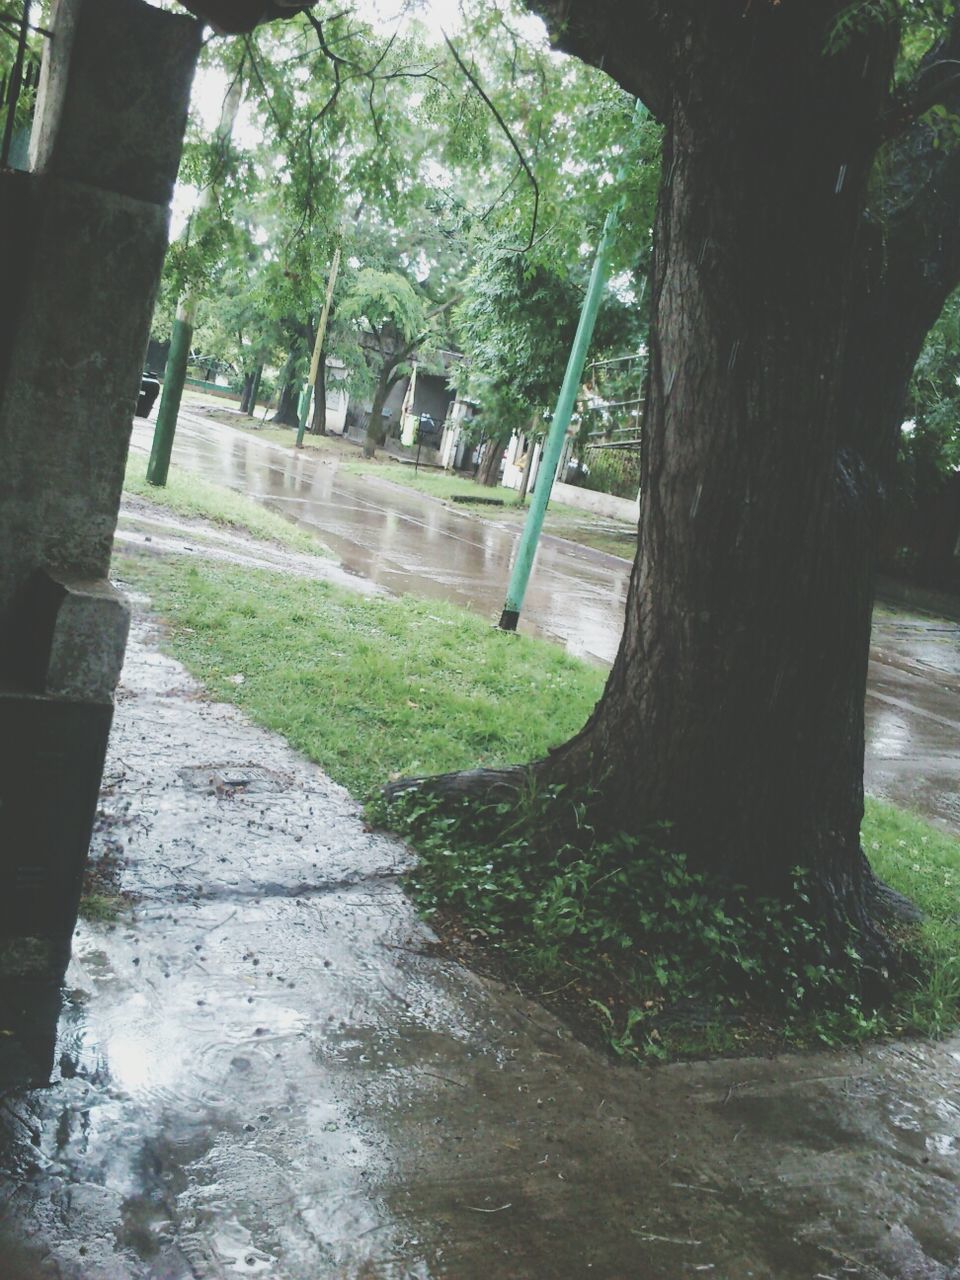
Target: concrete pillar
(82, 239)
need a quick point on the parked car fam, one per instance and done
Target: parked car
(149, 390)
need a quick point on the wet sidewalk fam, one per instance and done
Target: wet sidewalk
(264, 1072)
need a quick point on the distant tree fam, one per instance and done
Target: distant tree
(927, 492)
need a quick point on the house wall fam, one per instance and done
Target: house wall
(431, 396)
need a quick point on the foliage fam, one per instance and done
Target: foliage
(925, 512)
(625, 913)
(650, 941)
(9, 38)
(419, 182)
(933, 400)
(520, 311)
(381, 298)
(615, 471)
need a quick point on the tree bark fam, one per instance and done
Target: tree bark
(248, 381)
(489, 473)
(376, 430)
(286, 415)
(251, 405)
(318, 425)
(735, 707)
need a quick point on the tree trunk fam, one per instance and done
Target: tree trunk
(246, 392)
(735, 707)
(376, 430)
(489, 473)
(318, 426)
(286, 415)
(251, 405)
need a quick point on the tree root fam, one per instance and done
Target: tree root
(491, 786)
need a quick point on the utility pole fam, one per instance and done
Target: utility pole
(561, 415)
(318, 345)
(175, 373)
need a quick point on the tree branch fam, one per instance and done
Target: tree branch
(625, 38)
(509, 136)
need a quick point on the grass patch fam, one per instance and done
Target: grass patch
(923, 863)
(618, 935)
(368, 688)
(192, 495)
(103, 908)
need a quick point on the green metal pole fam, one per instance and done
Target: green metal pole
(173, 380)
(561, 418)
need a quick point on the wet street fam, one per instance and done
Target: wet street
(399, 539)
(264, 1071)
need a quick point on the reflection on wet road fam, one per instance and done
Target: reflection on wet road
(405, 542)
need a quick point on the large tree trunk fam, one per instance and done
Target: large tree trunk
(246, 392)
(251, 406)
(735, 707)
(286, 415)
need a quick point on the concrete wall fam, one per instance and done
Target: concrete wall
(601, 504)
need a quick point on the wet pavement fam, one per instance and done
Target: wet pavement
(399, 539)
(263, 1072)
(913, 715)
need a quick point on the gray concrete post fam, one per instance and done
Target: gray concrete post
(82, 239)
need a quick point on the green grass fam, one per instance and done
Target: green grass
(191, 495)
(369, 688)
(922, 863)
(103, 908)
(374, 689)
